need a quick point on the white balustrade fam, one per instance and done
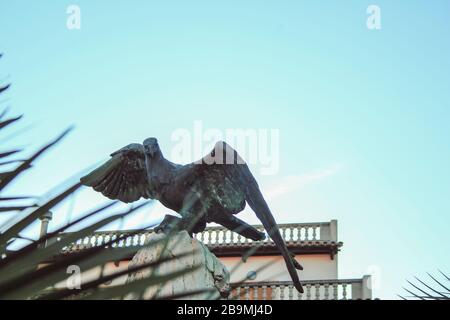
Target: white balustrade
(296, 233)
(314, 290)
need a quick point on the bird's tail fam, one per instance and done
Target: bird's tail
(256, 201)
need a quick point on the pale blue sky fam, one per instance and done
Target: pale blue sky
(363, 115)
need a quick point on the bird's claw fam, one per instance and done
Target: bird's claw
(297, 265)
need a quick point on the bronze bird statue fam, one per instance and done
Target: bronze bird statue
(213, 189)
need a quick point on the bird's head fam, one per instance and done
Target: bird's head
(151, 146)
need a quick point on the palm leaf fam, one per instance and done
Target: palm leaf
(8, 122)
(29, 271)
(61, 294)
(4, 88)
(14, 208)
(8, 153)
(36, 214)
(137, 286)
(13, 256)
(25, 165)
(422, 288)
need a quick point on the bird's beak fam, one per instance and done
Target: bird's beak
(151, 151)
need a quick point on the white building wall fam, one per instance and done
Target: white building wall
(316, 267)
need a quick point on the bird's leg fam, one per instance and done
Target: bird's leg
(237, 225)
(167, 225)
(193, 219)
(192, 222)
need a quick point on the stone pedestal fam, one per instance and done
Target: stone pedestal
(211, 274)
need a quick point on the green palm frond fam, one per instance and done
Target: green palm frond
(34, 270)
(433, 290)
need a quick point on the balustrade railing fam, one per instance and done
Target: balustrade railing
(218, 236)
(292, 233)
(351, 289)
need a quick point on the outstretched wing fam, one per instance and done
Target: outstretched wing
(226, 161)
(123, 177)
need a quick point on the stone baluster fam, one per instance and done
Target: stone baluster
(217, 237)
(113, 239)
(326, 294)
(226, 238)
(273, 292)
(299, 296)
(335, 291)
(282, 292)
(206, 237)
(317, 291)
(308, 292)
(264, 292)
(255, 292)
(299, 233)
(92, 241)
(98, 239)
(105, 238)
(344, 291)
(306, 233)
(212, 237)
(282, 232)
(291, 292)
(241, 240)
(247, 292)
(137, 241)
(314, 235)
(221, 237)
